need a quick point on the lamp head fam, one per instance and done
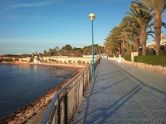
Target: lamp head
(92, 16)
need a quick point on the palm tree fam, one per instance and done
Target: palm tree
(130, 32)
(112, 43)
(156, 9)
(142, 18)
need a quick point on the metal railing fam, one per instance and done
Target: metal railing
(67, 100)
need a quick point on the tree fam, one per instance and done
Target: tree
(45, 52)
(112, 43)
(57, 48)
(67, 47)
(50, 52)
(143, 18)
(156, 8)
(77, 52)
(66, 50)
(131, 31)
(87, 50)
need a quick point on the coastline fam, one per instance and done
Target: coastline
(60, 65)
(48, 64)
(30, 112)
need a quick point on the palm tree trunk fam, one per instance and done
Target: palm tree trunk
(123, 48)
(120, 48)
(157, 28)
(137, 43)
(143, 37)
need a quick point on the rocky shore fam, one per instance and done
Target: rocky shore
(32, 111)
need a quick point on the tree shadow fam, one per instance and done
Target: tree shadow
(109, 76)
(109, 86)
(103, 113)
(141, 82)
(107, 72)
(107, 112)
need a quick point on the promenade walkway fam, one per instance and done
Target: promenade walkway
(123, 94)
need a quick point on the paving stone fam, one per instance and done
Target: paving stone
(123, 94)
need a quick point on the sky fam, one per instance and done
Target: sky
(28, 26)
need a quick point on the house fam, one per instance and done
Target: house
(153, 43)
(24, 60)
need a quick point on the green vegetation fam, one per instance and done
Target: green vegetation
(143, 19)
(153, 60)
(17, 56)
(51, 51)
(6, 60)
(127, 57)
(156, 8)
(68, 50)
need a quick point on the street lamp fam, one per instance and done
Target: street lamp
(92, 17)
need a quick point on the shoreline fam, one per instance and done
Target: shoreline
(48, 64)
(28, 112)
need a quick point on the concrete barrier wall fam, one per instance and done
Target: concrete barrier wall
(155, 68)
(61, 60)
(69, 60)
(26, 60)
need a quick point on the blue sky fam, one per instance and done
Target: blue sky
(27, 26)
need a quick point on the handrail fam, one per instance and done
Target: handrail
(67, 100)
(53, 101)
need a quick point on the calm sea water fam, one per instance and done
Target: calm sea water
(22, 84)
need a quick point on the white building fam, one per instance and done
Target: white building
(153, 43)
(24, 60)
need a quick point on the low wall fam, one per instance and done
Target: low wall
(69, 60)
(154, 68)
(118, 59)
(24, 60)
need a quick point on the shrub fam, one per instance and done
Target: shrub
(65, 62)
(79, 62)
(6, 60)
(153, 60)
(127, 57)
(69, 62)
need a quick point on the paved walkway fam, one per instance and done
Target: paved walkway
(123, 94)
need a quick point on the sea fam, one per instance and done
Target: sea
(22, 84)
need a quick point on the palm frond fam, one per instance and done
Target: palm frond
(150, 33)
(164, 25)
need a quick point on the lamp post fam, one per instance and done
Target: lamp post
(92, 17)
